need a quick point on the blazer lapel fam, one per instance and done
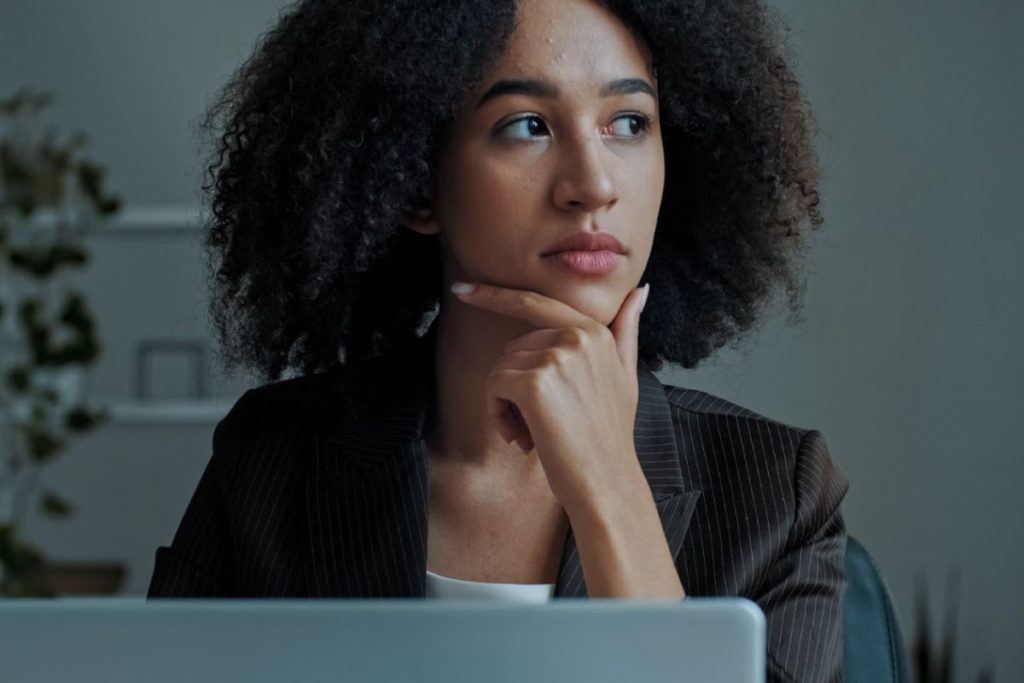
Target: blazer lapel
(367, 504)
(366, 493)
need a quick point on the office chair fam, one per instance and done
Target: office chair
(873, 650)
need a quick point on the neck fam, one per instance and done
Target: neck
(462, 433)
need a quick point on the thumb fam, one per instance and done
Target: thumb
(626, 326)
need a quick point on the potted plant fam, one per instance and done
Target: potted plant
(48, 191)
(934, 660)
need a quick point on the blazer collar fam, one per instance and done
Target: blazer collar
(366, 496)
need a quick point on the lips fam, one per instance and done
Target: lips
(599, 262)
(587, 241)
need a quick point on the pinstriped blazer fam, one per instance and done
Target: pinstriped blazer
(297, 501)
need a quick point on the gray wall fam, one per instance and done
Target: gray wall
(905, 360)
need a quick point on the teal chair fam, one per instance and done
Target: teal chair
(873, 649)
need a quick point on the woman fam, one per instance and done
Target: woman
(553, 155)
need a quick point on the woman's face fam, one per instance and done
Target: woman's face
(552, 143)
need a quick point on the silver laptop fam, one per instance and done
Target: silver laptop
(86, 640)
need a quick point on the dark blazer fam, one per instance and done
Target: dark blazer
(298, 500)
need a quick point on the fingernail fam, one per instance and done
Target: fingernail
(463, 288)
(647, 291)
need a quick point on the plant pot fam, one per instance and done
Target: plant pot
(84, 578)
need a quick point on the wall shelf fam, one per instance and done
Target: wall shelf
(163, 413)
(130, 219)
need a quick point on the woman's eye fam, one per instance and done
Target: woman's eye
(641, 121)
(637, 124)
(518, 124)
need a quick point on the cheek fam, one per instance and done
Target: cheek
(651, 186)
(483, 207)
(645, 190)
(654, 179)
(482, 181)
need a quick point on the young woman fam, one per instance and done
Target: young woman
(378, 161)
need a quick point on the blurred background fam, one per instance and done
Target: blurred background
(908, 358)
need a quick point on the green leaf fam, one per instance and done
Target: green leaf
(22, 567)
(41, 444)
(81, 419)
(41, 262)
(18, 379)
(54, 505)
(15, 554)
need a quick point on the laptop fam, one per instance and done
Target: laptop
(89, 640)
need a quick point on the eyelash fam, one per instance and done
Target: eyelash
(646, 120)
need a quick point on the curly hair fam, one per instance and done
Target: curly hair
(327, 137)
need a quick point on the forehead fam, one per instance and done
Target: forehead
(574, 41)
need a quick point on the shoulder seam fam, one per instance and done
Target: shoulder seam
(715, 403)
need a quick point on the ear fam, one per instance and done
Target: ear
(421, 219)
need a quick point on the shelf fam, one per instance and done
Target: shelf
(132, 219)
(165, 413)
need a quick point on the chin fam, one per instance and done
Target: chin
(600, 302)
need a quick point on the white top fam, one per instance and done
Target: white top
(446, 587)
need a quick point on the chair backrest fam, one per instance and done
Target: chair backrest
(873, 650)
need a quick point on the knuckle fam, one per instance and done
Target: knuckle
(523, 298)
(534, 385)
(493, 379)
(577, 337)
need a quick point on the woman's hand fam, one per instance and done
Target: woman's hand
(568, 389)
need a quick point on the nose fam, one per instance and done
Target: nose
(584, 181)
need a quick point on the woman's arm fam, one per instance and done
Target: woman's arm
(802, 596)
(194, 564)
(198, 563)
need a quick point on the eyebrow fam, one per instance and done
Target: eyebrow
(621, 86)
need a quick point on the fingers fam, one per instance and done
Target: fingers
(506, 421)
(626, 326)
(523, 438)
(527, 305)
(501, 392)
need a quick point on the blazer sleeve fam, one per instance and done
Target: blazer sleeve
(199, 562)
(802, 596)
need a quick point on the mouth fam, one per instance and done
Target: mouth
(587, 241)
(584, 262)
